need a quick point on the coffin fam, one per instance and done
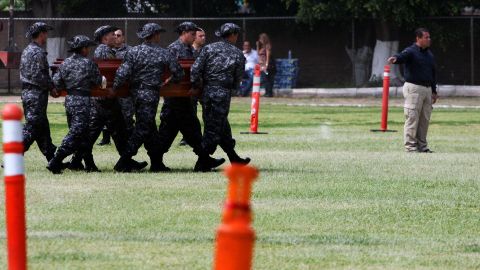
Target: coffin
(108, 68)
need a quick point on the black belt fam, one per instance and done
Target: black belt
(80, 93)
(425, 84)
(221, 84)
(30, 86)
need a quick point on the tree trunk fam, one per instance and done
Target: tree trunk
(386, 45)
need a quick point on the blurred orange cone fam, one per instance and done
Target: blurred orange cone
(235, 236)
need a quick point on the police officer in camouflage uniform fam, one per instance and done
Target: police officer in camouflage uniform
(78, 75)
(106, 50)
(107, 111)
(143, 67)
(36, 85)
(120, 46)
(177, 112)
(126, 103)
(220, 65)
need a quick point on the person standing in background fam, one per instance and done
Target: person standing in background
(419, 90)
(120, 46)
(199, 42)
(251, 59)
(266, 62)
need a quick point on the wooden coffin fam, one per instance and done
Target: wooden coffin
(108, 68)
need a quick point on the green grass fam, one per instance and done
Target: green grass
(331, 195)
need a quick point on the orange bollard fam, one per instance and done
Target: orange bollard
(14, 187)
(255, 100)
(386, 90)
(255, 107)
(235, 236)
(385, 95)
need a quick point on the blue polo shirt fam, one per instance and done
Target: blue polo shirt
(419, 66)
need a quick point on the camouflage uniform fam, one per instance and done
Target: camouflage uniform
(106, 111)
(78, 75)
(220, 65)
(104, 52)
(177, 112)
(143, 67)
(36, 84)
(121, 51)
(126, 103)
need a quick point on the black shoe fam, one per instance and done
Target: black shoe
(426, 150)
(157, 164)
(183, 142)
(55, 165)
(207, 163)
(51, 154)
(104, 141)
(75, 163)
(215, 162)
(90, 165)
(124, 164)
(234, 158)
(105, 137)
(138, 166)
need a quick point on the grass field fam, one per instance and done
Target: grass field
(331, 195)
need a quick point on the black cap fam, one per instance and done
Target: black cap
(37, 28)
(149, 29)
(80, 41)
(102, 31)
(187, 26)
(227, 29)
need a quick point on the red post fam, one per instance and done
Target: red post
(386, 88)
(255, 100)
(14, 187)
(235, 236)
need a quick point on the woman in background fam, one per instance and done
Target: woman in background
(266, 62)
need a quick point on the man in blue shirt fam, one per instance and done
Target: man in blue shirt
(419, 90)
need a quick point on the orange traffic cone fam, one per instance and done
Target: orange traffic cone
(235, 236)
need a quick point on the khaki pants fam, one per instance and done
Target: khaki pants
(417, 110)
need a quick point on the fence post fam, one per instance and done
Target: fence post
(472, 52)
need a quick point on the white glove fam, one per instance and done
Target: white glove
(104, 82)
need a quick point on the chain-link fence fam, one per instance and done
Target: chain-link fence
(324, 51)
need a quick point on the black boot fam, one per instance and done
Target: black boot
(157, 164)
(51, 154)
(75, 163)
(90, 163)
(138, 166)
(234, 158)
(205, 163)
(105, 138)
(55, 165)
(124, 164)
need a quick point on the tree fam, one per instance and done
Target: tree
(389, 15)
(200, 8)
(18, 5)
